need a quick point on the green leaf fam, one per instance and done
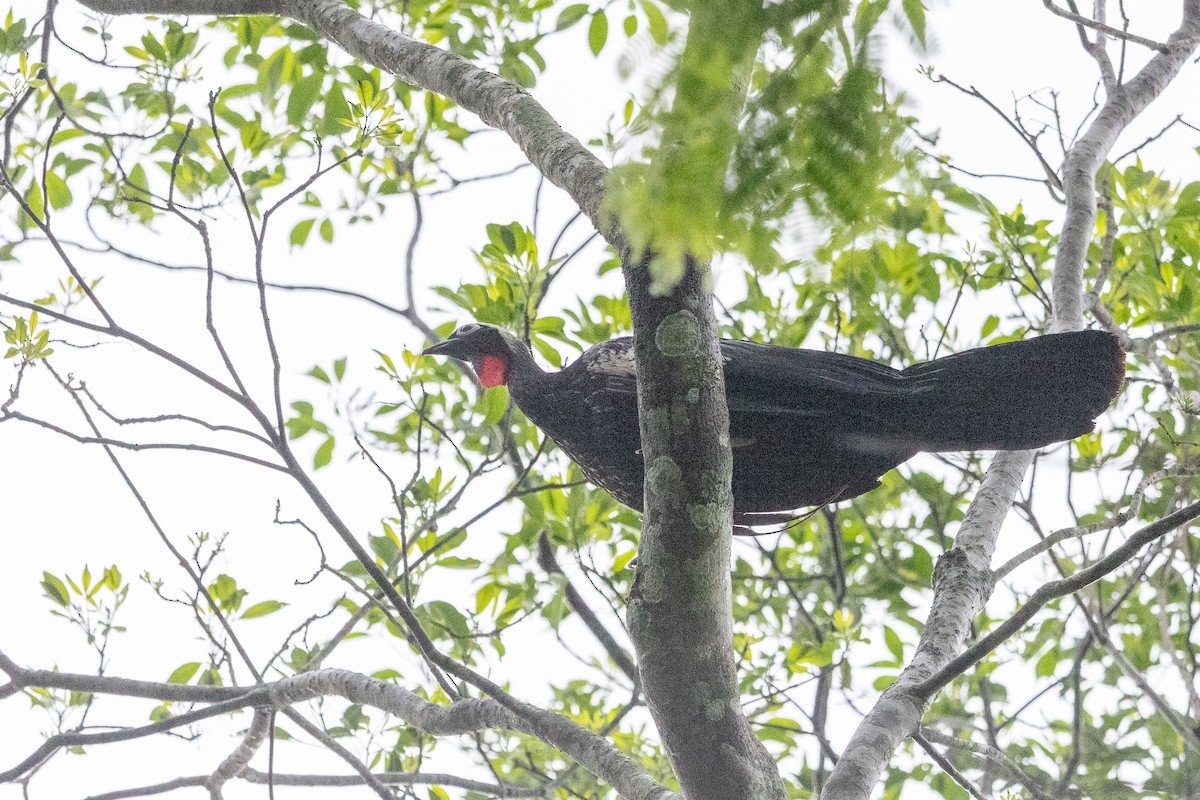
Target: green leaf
(509, 238)
(66, 135)
(621, 561)
(495, 403)
(656, 22)
(488, 594)
(894, 645)
(324, 454)
(1047, 663)
(184, 673)
(557, 609)
(262, 609)
(387, 361)
(56, 188)
(224, 588)
(547, 350)
(598, 32)
(386, 548)
(55, 589)
(112, 578)
(454, 562)
(915, 11)
(570, 15)
(327, 230)
(304, 95)
(300, 233)
(989, 326)
(447, 617)
(33, 199)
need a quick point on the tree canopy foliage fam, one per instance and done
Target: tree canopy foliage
(162, 178)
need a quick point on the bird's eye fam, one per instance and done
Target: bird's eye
(470, 327)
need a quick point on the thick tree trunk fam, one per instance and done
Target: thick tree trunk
(680, 612)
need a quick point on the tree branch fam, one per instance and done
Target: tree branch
(1088, 153)
(995, 756)
(466, 716)
(251, 775)
(497, 101)
(961, 583)
(237, 761)
(1107, 30)
(963, 580)
(616, 652)
(948, 767)
(1055, 589)
(1076, 531)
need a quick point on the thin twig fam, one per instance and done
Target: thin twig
(1107, 30)
(1053, 590)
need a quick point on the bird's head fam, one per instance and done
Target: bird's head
(489, 350)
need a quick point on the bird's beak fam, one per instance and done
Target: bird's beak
(446, 347)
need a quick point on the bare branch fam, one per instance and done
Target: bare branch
(139, 446)
(237, 761)
(1107, 30)
(993, 755)
(331, 744)
(123, 421)
(1149, 139)
(1052, 178)
(77, 739)
(410, 254)
(1055, 589)
(467, 716)
(615, 651)
(1076, 531)
(1172, 330)
(385, 779)
(948, 767)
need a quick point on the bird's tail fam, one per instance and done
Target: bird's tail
(1015, 396)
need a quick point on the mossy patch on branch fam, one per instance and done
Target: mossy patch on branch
(678, 335)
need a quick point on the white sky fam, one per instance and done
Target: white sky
(62, 506)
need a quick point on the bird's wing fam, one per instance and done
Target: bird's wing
(765, 378)
(790, 381)
(610, 375)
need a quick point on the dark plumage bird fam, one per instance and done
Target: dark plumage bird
(809, 427)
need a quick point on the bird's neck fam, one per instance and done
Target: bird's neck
(492, 370)
(501, 370)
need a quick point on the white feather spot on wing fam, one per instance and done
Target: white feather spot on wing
(610, 360)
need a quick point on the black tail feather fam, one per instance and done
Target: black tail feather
(1015, 396)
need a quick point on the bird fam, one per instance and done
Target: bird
(807, 427)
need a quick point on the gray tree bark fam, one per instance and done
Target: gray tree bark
(680, 611)
(963, 578)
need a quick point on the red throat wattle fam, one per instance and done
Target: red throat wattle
(491, 371)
